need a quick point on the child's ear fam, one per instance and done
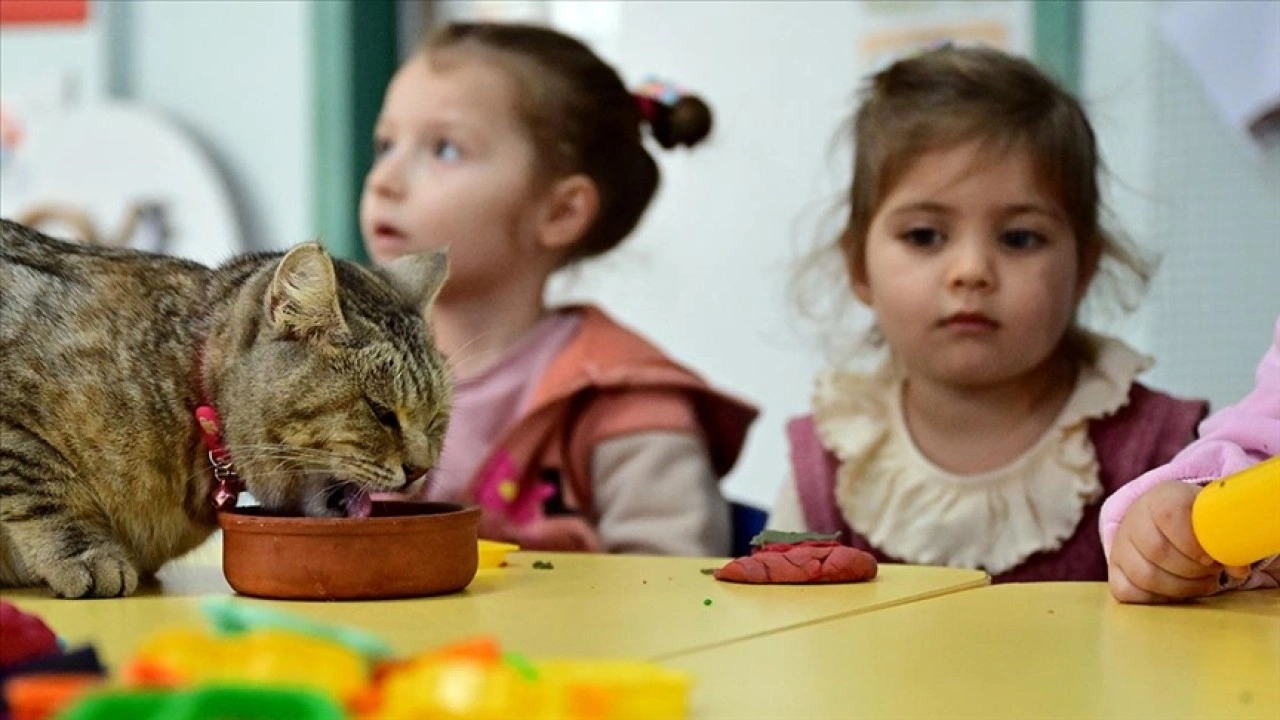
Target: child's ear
(570, 208)
(861, 286)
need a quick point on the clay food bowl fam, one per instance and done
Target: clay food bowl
(403, 549)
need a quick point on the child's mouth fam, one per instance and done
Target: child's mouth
(387, 235)
(969, 321)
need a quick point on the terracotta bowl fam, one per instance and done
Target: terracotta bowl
(405, 549)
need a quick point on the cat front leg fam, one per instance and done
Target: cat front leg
(63, 552)
(48, 535)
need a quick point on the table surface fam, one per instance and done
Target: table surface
(1060, 650)
(586, 606)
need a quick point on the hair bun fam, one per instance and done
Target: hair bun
(688, 123)
(674, 117)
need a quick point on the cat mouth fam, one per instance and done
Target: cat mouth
(348, 499)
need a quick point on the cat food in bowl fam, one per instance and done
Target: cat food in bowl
(402, 549)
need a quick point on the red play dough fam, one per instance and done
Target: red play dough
(805, 562)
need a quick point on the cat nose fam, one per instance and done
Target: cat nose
(412, 473)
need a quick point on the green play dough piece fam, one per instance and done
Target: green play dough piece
(775, 537)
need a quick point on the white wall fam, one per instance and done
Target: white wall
(236, 75)
(70, 59)
(1190, 188)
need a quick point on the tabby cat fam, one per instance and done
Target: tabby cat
(324, 373)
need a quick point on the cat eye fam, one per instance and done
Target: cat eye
(385, 416)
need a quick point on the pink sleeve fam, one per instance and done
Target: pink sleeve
(1230, 441)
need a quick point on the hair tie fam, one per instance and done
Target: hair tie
(648, 108)
(654, 92)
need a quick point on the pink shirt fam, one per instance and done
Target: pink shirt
(486, 405)
(1230, 440)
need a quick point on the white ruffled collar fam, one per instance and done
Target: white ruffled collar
(916, 511)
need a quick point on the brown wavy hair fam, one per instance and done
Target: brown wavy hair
(950, 96)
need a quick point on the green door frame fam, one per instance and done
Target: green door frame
(354, 56)
(1057, 32)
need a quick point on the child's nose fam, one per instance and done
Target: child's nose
(972, 267)
(385, 177)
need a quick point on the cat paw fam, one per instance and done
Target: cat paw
(95, 573)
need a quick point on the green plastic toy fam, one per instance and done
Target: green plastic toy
(231, 618)
(212, 702)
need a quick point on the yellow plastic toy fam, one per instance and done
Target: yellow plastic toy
(475, 680)
(494, 554)
(1237, 519)
(615, 689)
(183, 657)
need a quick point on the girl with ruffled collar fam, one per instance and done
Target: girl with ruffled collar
(995, 426)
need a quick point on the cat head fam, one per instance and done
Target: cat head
(335, 389)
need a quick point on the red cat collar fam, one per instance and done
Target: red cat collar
(226, 483)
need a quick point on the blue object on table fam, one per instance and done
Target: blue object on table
(747, 522)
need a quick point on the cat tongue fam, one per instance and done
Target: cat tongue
(359, 502)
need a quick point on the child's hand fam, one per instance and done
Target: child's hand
(566, 533)
(1155, 556)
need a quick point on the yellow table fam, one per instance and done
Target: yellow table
(1060, 650)
(587, 606)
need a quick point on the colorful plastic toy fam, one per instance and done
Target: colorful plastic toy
(276, 666)
(37, 676)
(230, 618)
(1237, 519)
(23, 636)
(181, 658)
(42, 696)
(475, 681)
(214, 702)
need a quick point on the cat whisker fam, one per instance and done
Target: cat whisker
(458, 360)
(467, 344)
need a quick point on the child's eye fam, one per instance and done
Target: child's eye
(380, 147)
(922, 237)
(446, 150)
(1021, 239)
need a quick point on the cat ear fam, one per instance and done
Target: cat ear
(303, 298)
(419, 276)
